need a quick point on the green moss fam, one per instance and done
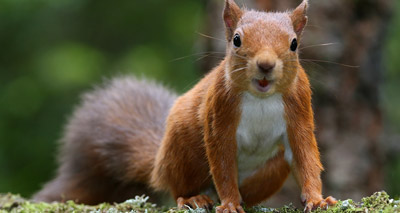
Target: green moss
(14, 203)
(378, 202)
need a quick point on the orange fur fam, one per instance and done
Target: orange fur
(271, 178)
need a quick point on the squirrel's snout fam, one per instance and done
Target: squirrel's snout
(265, 67)
(266, 61)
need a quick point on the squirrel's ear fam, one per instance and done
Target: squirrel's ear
(299, 17)
(232, 14)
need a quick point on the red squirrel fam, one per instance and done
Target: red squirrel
(241, 129)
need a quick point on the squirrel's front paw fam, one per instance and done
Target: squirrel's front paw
(312, 204)
(199, 201)
(229, 208)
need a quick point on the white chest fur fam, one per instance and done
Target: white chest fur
(261, 128)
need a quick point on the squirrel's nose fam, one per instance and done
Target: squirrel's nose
(265, 67)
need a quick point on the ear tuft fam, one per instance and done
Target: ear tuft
(299, 18)
(232, 14)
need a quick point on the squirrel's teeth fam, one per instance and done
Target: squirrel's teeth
(263, 83)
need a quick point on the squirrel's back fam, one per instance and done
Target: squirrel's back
(110, 142)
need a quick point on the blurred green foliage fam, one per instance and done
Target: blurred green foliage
(51, 51)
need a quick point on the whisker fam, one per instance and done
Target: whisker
(316, 64)
(239, 76)
(187, 56)
(315, 81)
(240, 56)
(330, 62)
(317, 45)
(313, 72)
(239, 69)
(208, 36)
(195, 54)
(208, 55)
(190, 84)
(293, 60)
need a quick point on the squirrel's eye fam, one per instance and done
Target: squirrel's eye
(293, 46)
(236, 40)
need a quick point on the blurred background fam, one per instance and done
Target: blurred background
(52, 51)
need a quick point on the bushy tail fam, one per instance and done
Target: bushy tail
(109, 146)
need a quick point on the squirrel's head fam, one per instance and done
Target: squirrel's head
(262, 47)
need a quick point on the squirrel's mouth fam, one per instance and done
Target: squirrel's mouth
(262, 85)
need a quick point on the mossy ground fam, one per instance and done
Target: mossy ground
(378, 202)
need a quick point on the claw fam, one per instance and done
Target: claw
(229, 208)
(318, 203)
(199, 201)
(309, 207)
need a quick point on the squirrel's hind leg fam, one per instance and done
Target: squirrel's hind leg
(266, 181)
(64, 188)
(92, 190)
